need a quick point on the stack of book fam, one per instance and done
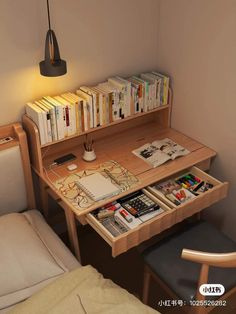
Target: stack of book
(57, 117)
(92, 106)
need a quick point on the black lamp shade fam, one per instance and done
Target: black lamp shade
(52, 65)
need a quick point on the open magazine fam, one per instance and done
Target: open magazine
(158, 152)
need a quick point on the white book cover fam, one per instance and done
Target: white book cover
(59, 116)
(66, 127)
(122, 89)
(108, 87)
(90, 92)
(97, 187)
(145, 84)
(166, 82)
(100, 104)
(52, 118)
(89, 101)
(46, 121)
(66, 120)
(85, 113)
(35, 114)
(152, 89)
(44, 116)
(105, 110)
(158, 83)
(73, 98)
(71, 129)
(161, 87)
(127, 94)
(136, 96)
(97, 97)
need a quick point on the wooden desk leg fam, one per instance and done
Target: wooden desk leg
(44, 198)
(146, 283)
(72, 231)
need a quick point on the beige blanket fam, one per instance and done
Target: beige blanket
(83, 290)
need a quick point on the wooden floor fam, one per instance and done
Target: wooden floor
(126, 270)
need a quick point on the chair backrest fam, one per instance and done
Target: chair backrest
(16, 186)
(227, 260)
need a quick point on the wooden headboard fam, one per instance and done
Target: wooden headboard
(16, 131)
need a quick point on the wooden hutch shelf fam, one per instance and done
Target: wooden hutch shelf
(116, 142)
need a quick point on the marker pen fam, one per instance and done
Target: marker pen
(198, 186)
(114, 207)
(125, 215)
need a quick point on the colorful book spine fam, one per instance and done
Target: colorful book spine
(89, 105)
(145, 92)
(59, 116)
(166, 82)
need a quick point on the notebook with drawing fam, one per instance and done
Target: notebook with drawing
(97, 186)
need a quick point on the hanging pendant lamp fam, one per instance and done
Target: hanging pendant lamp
(52, 65)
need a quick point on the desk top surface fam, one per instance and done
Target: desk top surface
(118, 147)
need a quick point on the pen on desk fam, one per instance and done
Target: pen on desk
(111, 176)
(198, 186)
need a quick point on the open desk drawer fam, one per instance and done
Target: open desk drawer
(133, 237)
(203, 200)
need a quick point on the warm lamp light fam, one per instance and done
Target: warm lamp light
(52, 65)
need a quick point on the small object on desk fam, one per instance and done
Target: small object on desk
(173, 199)
(160, 151)
(198, 186)
(97, 186)
(113, 226)
(61, 160)
(72, 167)
(125, 215)
(182, 193)
(109, 205)
(195, 178)
(104, 213)
(138, 204)
(114, 207)
(209, 185)
(89, 155)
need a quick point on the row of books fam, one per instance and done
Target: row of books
(91, 106)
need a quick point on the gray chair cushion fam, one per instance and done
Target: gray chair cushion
(180, 275)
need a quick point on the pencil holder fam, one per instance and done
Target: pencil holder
(89, 155)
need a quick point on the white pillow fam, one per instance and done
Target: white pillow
(26, 264)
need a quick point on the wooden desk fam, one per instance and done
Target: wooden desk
(116, 142)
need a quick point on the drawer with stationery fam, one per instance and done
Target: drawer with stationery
(189, 192)
(130, 220)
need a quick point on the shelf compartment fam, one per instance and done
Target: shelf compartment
(195, 205)
(95, 129)
(134, 237)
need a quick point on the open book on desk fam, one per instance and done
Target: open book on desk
(159, 152)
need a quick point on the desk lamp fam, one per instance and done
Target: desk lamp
(52, 65)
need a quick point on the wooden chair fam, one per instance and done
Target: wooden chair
(182, 278)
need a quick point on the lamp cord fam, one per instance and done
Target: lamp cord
(51, 47)
(49, 22)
